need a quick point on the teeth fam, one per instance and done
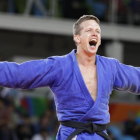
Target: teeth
(92, 46)
(94, 40)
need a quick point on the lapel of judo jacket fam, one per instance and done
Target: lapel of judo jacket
(93, 105)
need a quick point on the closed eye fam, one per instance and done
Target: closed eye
(89, 30)
(97, 31)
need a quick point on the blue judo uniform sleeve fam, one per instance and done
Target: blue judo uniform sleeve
(127, 78)
(30, 74)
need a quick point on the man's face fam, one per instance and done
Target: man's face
(89, 38)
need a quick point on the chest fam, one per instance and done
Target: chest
(90, 79)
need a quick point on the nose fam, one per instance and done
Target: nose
(94, 33)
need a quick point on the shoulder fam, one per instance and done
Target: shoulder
(64, 59)
(108, 60)
(59, 58)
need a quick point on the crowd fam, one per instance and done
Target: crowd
(18, 124)
(129, 129)
(127, 11)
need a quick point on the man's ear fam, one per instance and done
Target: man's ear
(76, 39)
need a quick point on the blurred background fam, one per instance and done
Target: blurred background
(36, 29)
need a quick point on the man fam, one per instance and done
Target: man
(81, 82)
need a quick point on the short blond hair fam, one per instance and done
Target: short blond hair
(76, 25)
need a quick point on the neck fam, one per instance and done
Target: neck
(85, 60)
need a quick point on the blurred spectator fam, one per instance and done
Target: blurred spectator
(25, 130)
(20, 6)
(11, 6)
(111, 135)
(37, 7)
(3, 6)
(132, 126)
(73, 8)
(44, 123)
(2, 118)
(135, 9)
(124, 11)
(98, 8)
(116, 133)
(53, 135)
(7, 121)
(43, 135)
(27, 7)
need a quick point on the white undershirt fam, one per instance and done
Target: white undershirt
(74, 138)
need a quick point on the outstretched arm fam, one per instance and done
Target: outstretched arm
(127, 78)
(30, 74)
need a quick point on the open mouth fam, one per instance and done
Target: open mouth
(93, 43)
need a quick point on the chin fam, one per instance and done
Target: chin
(92, 51)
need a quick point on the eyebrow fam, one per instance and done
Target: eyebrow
(92, 29)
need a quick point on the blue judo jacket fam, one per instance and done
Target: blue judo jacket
(72, 98)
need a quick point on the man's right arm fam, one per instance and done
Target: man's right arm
(30, 74)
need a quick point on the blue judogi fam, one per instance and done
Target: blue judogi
(72, 98)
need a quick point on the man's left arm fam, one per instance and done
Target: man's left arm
(126, 78)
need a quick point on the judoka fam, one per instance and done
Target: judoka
(81, 81)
